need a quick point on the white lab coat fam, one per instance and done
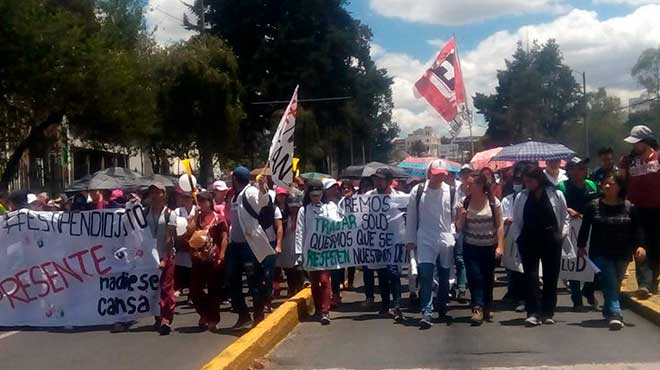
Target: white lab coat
(254, 234)
(434, 237)
(558, 203)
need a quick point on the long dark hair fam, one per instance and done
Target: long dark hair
(535, 172)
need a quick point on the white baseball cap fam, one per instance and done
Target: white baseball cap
(219, 186)
(328, 183)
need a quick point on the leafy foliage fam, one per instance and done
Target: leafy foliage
(647, 71)
(317, 44)
(536, 97)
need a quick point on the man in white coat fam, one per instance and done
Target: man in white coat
(429, 234)
(249, 244)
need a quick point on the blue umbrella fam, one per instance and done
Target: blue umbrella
(534, 151)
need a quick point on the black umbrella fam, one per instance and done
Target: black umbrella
(108, 179)
(167, 181)
(369, 169)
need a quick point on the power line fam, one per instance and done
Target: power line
(168, 14)
(303, 100)
(636, 104)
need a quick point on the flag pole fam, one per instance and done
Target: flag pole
(467, 106)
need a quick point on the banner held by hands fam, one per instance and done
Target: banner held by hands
(280, 156)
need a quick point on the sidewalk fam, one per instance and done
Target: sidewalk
(649, 308)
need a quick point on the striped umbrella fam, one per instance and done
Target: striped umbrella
(534, 151)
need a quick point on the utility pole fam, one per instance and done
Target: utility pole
(202, 16)
(586, 122)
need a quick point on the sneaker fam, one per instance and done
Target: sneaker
(616, 324)
(548, 321)
(325, 319)
(165, 329)
(461, 297)
(520, 307)
(157, 323)
(244, 322)
(532, 321)
(477, 316)
(425, 323)
(643, 293)
(398, 315)
(202, 325)
(384, 311)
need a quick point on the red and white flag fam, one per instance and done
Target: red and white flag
(443, 88)
(280, 156)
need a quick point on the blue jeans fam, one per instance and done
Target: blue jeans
(480, 263)
(612, 270)
(425, 277)
(240, 259)
(459, 261)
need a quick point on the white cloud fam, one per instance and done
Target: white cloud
(167, 17)
(627, 2)
(449, 12)
(438, 43)
(605, 49)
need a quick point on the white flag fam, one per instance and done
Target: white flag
(280, 157)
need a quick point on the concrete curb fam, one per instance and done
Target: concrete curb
(265, 336)
(648, 308)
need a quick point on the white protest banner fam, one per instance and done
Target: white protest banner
(572, 266)
(369, 233)
(77, 268)
(511, 259)
(280, 156)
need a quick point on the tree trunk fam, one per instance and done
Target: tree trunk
(36, 133)
(205, 166)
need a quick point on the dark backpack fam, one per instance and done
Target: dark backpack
(266, 216)
(493, 209)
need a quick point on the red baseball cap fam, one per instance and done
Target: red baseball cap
(438, 167)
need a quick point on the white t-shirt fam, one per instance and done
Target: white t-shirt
(561, 176)
(272, 235)
(158, 228)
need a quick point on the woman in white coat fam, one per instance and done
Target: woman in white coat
(540, 225)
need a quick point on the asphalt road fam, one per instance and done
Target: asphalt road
(186, 348)
(361, 339)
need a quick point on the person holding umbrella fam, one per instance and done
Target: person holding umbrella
(540, 225)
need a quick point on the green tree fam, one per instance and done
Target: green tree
(64, 61)
(607, 126)
(199, 100)
(317, 44)
(536, 97)
(647, 71)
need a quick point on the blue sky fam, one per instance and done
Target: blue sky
(600, 37)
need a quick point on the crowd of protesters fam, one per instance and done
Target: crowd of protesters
(455, 222)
